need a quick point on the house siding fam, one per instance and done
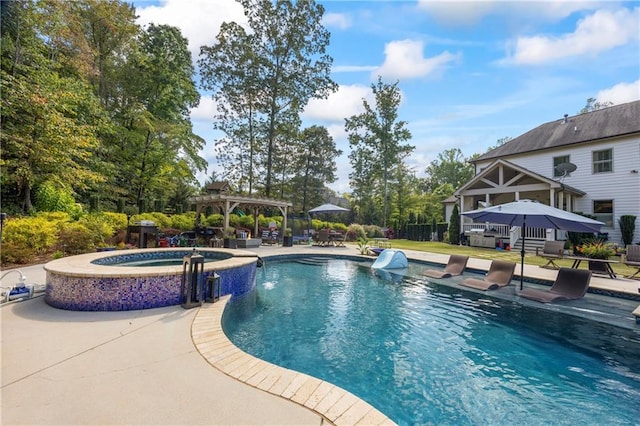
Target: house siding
(621, 185)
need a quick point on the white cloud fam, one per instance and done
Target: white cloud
(620, 93)
(470, 12)
(206, 110)
(405, 59)
(336, 20)
(347, 101)
(596, 33)
(198, 20)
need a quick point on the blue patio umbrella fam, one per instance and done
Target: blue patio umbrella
(531, 213)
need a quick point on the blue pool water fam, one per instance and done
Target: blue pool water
(430, 354)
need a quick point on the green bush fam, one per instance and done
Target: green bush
(116, 220)
(76, 238)
(215, 219)
(16, 253)
(246, 222)
(161, 220)
(627, 228)
(51, 197)
(100, 228)
(35, 233)
(373, 231)
(184, 221)
(356, 232)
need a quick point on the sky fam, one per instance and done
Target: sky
(470, 72)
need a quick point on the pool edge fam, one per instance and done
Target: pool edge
(331, 402)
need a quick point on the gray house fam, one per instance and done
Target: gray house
(587, 163)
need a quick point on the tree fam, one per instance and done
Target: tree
(264, 77)
(156, 130)
(593, 105)
(375, 137)
(313, 160)
(450, 167)
(50, 118)
(454, 226)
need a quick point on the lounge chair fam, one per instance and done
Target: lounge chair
(552, 251)
(569, 284)
(454, 267)
(500, 274)
(323, 237)
(632, 258)
(268, 237)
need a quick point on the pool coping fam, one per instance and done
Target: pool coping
(76, 266)
(331, 402)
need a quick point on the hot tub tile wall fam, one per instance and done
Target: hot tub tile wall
(132, 292)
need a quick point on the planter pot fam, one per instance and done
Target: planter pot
(287, 241)
(598, 267)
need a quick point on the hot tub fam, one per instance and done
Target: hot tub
(97, 282)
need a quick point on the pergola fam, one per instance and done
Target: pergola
(227, 203)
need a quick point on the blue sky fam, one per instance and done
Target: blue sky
(470, 72)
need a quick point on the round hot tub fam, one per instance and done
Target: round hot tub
(140, 279)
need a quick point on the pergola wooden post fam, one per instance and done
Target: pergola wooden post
(229, 202)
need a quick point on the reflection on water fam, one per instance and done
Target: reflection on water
(422, 353)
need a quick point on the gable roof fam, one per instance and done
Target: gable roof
(618, 120)
(520, 170)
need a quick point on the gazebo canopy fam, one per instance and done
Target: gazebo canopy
(229, 202)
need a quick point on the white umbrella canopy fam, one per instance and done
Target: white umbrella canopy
(531, 213)
(328, 208)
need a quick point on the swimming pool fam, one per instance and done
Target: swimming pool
(427, 353)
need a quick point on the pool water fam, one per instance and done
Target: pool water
(424, 353)
(158, 262)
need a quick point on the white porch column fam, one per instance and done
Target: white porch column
(552, 197)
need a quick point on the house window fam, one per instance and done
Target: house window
(603, 211)
(603, 161)
(557, 161)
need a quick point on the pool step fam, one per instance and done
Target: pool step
(313, 261)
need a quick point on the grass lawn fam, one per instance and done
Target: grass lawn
(484, 253)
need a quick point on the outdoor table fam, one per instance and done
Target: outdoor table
(604, 265)
(334, 236)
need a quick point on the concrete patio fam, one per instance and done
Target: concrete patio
(175, 366)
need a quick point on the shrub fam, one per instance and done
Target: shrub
(16, 253)
(373, 231)
(245, 222)
(116, 220)
(215, 219)
(356, 232)
(184, 221)
(627, 228)
(76, 238)
(100, 228)
(51, 197)
(35, 233)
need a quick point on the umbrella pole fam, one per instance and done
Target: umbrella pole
(524, 239)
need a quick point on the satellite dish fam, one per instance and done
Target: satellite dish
(566, 168)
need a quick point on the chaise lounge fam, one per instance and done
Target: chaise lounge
(569, 284)
(500, 274)
(552, 251)
(632, 258)
(454, 267)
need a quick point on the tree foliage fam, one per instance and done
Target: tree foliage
(93, 105)
(262, 79)
(449, 168)
(375, 137)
